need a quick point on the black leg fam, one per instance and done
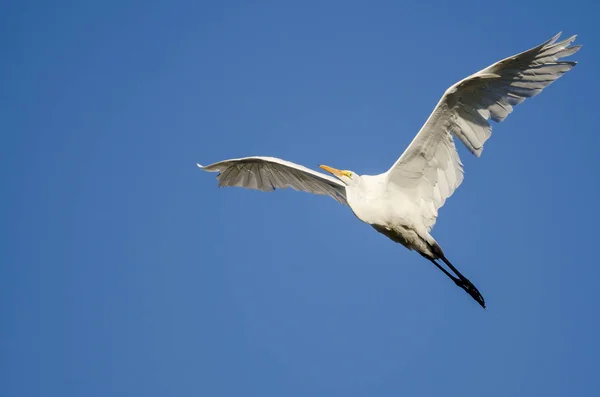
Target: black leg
(455, 270)
(460, 281)
(446, 272)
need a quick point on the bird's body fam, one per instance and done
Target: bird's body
(390, 211)
(403, 202)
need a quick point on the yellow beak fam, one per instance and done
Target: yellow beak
(332, 170)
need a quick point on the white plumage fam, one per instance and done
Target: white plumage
(270, 173)
(403, 202)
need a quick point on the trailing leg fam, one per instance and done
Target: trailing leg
(460, 281)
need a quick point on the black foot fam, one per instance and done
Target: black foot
(471, 290)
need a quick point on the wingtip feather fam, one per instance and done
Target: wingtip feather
(575, 48)
(564, 44)
(568, 41)
(553, 39)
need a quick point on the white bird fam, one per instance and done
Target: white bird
(403, 202)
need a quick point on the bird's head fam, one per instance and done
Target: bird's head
(348, 177)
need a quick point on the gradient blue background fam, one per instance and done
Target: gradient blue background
(126, 271)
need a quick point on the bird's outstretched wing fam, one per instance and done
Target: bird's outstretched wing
(430, 167)
(270, 173)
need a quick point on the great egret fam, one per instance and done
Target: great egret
(403, 202)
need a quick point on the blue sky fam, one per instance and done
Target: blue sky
(125, 271)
